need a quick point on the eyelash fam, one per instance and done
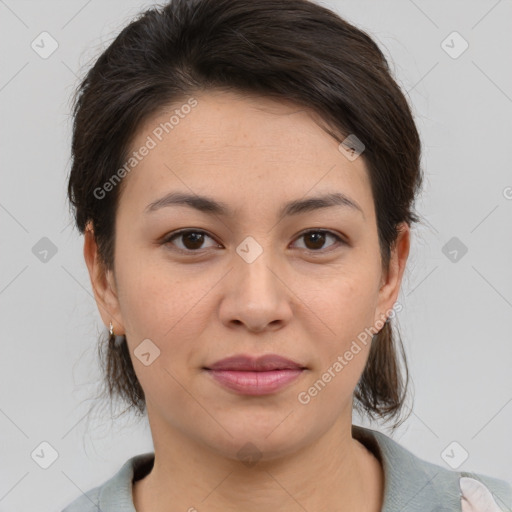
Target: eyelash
(167, 240)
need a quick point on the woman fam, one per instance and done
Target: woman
(244, 175)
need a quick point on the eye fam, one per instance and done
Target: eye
(317, 238)
(192, 239)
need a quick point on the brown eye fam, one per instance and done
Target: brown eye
(192, 240)
(315, 239)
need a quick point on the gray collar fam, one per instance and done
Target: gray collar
(411, 484)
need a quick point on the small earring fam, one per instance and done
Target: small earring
(118, 341)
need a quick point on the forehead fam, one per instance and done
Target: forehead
(239, 149)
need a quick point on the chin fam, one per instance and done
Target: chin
(265, 442)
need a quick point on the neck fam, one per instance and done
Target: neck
(336, 472)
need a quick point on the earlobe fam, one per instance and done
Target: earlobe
(102, 283)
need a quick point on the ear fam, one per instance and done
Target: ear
(103, 283)
(392, 279)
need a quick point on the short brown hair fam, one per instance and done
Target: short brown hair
(291, 49)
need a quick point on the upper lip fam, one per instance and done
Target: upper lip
(264, 363)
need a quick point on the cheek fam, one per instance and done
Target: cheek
(162, 307)
(341, 354)
(169, 308)
(345, 309)
(150, 296)
(347, 303)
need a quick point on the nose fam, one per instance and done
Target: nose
(256, 296)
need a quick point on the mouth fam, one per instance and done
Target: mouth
(244, 363)
(255, 376)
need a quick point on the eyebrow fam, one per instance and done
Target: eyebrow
(212, 207)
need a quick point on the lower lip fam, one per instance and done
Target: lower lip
(255, 383)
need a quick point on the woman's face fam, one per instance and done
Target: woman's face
(247, 281)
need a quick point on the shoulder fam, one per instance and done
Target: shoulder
(411, 483)
(115, 494)
(87, 502)
(482, 493)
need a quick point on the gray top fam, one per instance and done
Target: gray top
(410, 483)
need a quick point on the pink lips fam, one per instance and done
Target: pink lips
(250, 376)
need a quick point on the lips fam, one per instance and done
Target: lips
(264, 363)
(255, 376)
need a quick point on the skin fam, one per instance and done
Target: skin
(299, 299)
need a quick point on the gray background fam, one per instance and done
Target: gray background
(457, 308)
